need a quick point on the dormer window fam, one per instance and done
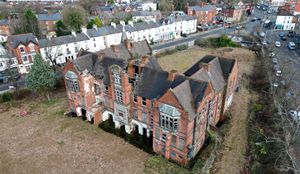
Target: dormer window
(117, 78)
(22, 50)
(31, 47)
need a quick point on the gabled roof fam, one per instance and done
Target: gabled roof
(189, 93)
(49, 17)
(225, 64)
(4, 21)
(15, 40)
(98, 64)
(63, 40)
(203, 8)
(105, 30)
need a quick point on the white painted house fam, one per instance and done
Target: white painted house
(284, 21)
(67, 47)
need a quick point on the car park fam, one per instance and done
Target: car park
(277, 44)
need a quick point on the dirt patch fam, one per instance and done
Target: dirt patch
(45, 141)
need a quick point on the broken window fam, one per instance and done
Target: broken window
(144, 116)
(143, 101)
(97, 89)
(168, 122)
(174, 140)
(73, 85)
(117, 78)
(135, 114)
(181, 143)
(164, 137)
(135, 98)
(119, 96)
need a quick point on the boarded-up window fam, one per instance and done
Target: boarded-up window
(174, 140)
(181, 144)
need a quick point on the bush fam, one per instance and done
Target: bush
(218, 42)
(257, 107)
(6, 97)
(181, 47)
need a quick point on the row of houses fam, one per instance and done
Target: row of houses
(288, 16)
(63, 48)
(173, 110)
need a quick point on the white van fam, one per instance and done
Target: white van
(291, 45)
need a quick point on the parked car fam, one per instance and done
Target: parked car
(253, 19)
(272, 54)
(283, 38)
(277, 44)
(281, 34)
(239, 27)
(290, 34)
(291, 45)
(278, 73)
(4, 78)
(295, 115)
(274, 60)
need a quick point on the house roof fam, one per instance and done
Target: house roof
(141, 26)
(15, 40)
(145, 13)
(49, 17)
(4, 21)
(284, 13)
(189, 93)
(225, 64)
(115, 55)
(105, 30)
(63, 40)
(203, 8)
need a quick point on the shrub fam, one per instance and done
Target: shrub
(257, 107)
(218, 42)
(5, 97)
(181, 47)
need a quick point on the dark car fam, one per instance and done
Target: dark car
(290, 34)
(283, 38)
(258, 19)
(281, 34)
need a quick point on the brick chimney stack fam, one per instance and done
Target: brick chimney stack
(171, 75)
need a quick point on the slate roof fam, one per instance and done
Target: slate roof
(49, 17)
(189, 93)
(117, 55)
(4, 22)
(102, 31)
(63, 40)
(141, 26)
(203, 8)
(15, 40)
(146, 13)
(226, 65)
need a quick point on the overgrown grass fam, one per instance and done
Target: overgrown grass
(217, 42)
(158, 164)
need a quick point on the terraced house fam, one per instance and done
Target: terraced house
(126, 84)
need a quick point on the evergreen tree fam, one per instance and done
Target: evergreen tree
(61, 29)
(41, 77)
(74, 18)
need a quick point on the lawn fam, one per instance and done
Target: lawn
(46, 141)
